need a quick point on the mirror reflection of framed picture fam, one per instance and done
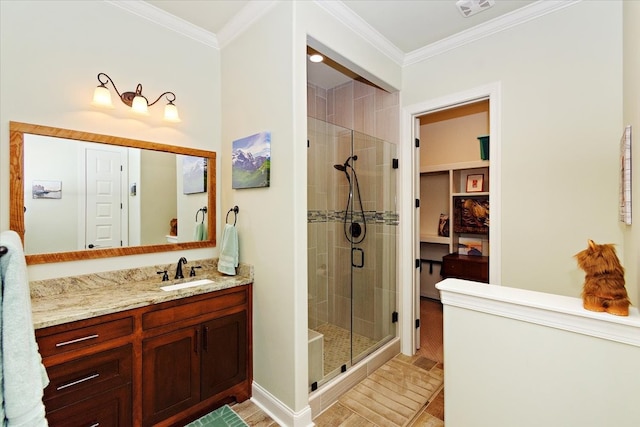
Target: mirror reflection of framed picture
(474, 183)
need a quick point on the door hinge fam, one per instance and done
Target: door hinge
(314, 386)
(395, 164)
(394, 317)
(417, 323)
(308, 143)
(417, 142)
(417, 203)
(418, 263)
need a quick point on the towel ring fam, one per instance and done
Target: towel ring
(204, 211)
(235, 210)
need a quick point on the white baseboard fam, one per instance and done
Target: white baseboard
(277, 410)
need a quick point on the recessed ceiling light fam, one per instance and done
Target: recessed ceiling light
(316, 57)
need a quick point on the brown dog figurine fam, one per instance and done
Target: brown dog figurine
(604, 282)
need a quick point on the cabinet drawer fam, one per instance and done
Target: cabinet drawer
(191, 310)
(108, 409)
(52, 343)
(81, 378)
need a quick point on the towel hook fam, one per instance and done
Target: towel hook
(235, 210)
(204, 211)
(3, 250)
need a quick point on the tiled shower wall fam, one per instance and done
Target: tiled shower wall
(369, 111)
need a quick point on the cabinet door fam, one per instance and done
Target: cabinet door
(170, 374)
(224, 353)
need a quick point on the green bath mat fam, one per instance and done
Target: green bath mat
(221, 417)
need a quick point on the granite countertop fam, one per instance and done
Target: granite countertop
(68, 299)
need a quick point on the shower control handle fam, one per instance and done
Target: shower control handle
(354, 257)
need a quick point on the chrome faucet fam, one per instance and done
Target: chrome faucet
(179, 274)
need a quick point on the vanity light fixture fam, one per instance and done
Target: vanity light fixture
(138, 102)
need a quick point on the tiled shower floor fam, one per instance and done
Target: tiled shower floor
(337, 346)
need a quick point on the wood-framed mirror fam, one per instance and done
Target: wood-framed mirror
(77, 195)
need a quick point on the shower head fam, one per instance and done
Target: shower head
(343, 167)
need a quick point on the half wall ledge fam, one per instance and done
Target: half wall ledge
(555, 311)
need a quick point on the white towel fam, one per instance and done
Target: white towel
(23, 376)
(228, 259)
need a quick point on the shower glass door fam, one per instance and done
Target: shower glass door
(352, 229)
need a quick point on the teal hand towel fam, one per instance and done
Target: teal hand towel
(228, 258)
(23, 376)
(200, 232)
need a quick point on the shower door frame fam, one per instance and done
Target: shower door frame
(344, 281)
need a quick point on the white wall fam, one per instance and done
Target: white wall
(519, 358)
(52, 224)
(158, 196)
(631, 70)
(561, 123)
(50, 54)
(264, 75)
(257, 96)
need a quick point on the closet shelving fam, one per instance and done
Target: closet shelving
(439, 186)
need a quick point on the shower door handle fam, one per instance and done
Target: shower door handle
(354, 257)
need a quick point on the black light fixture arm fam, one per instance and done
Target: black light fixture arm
(127, 97)
(108, 80)
(170, 99)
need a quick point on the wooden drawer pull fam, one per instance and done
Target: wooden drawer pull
(89, 337)
(76, 382)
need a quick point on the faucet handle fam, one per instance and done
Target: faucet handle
(192, 273)
(165, 276)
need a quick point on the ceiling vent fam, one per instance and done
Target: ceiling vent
(471, 7)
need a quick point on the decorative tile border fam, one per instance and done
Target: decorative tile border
(372, 217)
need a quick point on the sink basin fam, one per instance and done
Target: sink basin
(186, 285)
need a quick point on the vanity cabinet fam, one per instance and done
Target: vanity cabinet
(195, 356)
(164, 364)
(90, 369)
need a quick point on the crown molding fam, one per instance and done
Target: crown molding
(255, 9)
(151, 13)
(242, 20)
(341, 12)
(501, 23)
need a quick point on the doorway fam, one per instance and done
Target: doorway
(410, 236)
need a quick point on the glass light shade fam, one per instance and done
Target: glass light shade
(102, 97)
(140, 106)
(171, 113)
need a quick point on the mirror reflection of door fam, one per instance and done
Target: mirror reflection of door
(103, 197)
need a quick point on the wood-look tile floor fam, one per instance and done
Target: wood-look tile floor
(428, 358)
